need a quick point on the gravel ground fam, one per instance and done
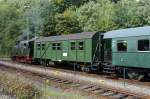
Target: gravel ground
(4, 95)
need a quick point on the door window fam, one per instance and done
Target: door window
(81, 46)
(58, 46)
(43, 46)
(73, 46)
(38, 46)
(54, 46)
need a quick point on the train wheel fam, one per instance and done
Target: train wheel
(47, 63)
(85, 69)
(56, 63)
(41, 62)
(135, 75)
(82, 69)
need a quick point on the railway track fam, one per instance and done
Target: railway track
(95, 89)
(87, 88)
(92, 88)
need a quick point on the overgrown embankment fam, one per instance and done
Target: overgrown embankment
(19, 85)
(19, 88)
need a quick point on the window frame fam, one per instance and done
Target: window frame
(54, 46)
(38, 45)
(138, 45)
(83, 46)
(73, 47)
(58, 47)
(119, 41)
(25, 44)
(43, 47)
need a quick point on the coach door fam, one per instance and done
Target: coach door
(38, 50)
(80, 51)
(43, 50)
(56, 51)
(53, 51)
(59, 51)
(73, 50)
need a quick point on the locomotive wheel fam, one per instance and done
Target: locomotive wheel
(135, 75)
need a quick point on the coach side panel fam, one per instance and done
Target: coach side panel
(131, 52)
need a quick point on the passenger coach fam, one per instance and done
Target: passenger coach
(80, 48)
(131, 50)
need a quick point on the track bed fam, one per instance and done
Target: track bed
(107, 88)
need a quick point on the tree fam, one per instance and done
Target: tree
(54, 17)
(96, 16)
(62, 5)
(11, 25)
(131, 13)
(87, 16)
(48, 12)
(67, 23)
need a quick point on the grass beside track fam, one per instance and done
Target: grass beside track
(20, 87)
(61, 95)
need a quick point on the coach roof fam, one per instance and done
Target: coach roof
(139, 31)
(67, 37)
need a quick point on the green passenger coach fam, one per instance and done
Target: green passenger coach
(82, 48)
(131, 49)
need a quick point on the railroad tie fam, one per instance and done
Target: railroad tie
(133, 97)
(108, 93)
(76, 85)
(100, 91)
(52, 78)
(93, 88)
(57, 79)
(62, 81)
(67, 82)
(85, 87)
(119, 96)
(89, 88)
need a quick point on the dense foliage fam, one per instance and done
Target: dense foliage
(18, 18)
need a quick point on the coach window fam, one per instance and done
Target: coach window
(122, 45)
(54, 45)
(25, 44)
(81, 46)
(73, 46)
(43, 46)
(38, 46)
(143, 45)
(58, 46)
